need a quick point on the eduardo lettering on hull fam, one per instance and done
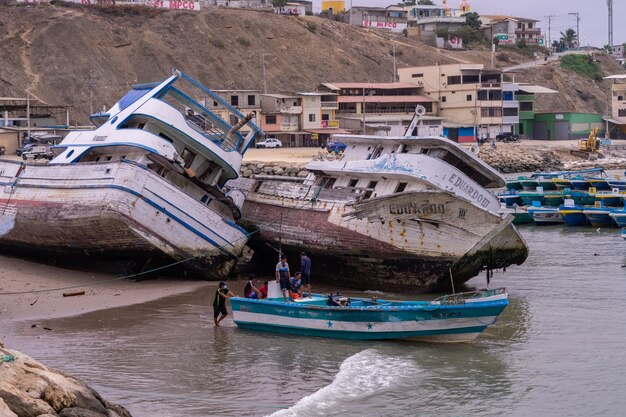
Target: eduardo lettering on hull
(469, 191)
(416, 209)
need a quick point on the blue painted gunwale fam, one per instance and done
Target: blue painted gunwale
(379, 313)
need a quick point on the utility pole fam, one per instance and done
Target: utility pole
(263, 55)
(610, 4)
(393, 47)
(28, 115)
(550, 29)
(578, 27)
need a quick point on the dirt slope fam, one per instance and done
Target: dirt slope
(57, 52)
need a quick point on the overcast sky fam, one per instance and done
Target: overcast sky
(593, 15)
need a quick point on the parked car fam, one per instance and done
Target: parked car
(38, 152)
(507, 137)
(336, 146)
(25, 148)
(269, 143)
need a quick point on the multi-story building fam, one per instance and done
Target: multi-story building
(512, 30)
(333, 6)
(246, 101)
(282, 118)
(366, 107)
(425, 21)
(468, 97)
(617, 121)
(318, 116)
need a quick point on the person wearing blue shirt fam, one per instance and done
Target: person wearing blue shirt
(296, 285)
(283, 276)
(305, 269)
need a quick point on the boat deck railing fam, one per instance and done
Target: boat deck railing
(461, 297)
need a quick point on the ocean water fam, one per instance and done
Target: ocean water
(557, 350)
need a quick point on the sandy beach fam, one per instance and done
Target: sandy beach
(21, 282)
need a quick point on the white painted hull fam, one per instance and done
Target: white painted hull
(115, 210)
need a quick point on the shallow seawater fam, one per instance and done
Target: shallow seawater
(558, 349)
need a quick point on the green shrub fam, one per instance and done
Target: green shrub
(311, 27)
(582, 65)
(243, 42)
(217, 43)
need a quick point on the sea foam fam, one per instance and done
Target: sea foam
(361, 375)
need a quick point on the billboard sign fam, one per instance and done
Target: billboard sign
(505, 38)
(392, 26)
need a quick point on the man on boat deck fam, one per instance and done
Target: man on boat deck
(305, 269)
(283, 276)
(219, 303)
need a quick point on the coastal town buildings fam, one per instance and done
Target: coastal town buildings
(333, 7)
(617, 121)
(512, 30)
(566, 125)
(281, 118)
(318, 116)
(246, 101)
(392, 18)
(467, 96)
(373, 108)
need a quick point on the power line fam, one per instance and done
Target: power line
(550, 29)
(577, 27)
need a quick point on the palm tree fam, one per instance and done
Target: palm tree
(569, 38)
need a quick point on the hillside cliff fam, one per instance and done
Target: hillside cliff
(60, 53)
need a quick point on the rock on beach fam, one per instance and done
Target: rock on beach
(31, 389)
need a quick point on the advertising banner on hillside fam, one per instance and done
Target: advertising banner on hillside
(158, 4)
(505, 38)
(392, 26)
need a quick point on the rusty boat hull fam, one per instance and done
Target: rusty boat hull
(411, 242)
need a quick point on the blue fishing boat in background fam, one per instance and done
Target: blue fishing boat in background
(572, 214)
(612, 198)
(545, 215)
(619, 217)
(599, 216)
(452, 318)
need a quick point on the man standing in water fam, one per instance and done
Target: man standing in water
(283, 276)
(305, 269)
(219, 303)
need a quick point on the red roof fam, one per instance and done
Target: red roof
(385, 99)
(379, 86)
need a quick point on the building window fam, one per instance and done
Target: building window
(325, 116)
(510, 111)
(507, 95)
(401, 187)
(468, 97)
(519, 26)
(214, 103)
(491, 112)
(270, 120)
(526, 106)
(443, 99)
(311, 117)
(251, 100)
(530, 25)
(353, 183)
(417, 75)
(453, 80)
(621, 113)
(234, 100)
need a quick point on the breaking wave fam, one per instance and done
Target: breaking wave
(361, 375)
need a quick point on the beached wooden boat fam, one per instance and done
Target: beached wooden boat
(452, 318)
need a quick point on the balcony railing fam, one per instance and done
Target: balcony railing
(491, 85)
(330, 105)
(290, 109)
(527, 31)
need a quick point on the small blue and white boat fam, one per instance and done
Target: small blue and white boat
(459, 317)
(572, 214)
(599, 216)
(619, 217)
(546, 215)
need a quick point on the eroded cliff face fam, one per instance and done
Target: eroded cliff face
(31, 389)
(89, 57)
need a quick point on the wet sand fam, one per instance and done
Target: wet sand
(21, 282)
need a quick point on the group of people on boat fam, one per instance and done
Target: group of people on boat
(291, 287)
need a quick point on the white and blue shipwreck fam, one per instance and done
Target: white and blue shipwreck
(457, 317)
(144, 188)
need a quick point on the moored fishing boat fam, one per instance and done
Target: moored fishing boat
(510, 198)
(572, 214)
(599, 216)
(520, 214)
(613, 198)
(619, 217)
(142, 189)
(458, 317)
(561, 183)
(599, 183)
(545, 215)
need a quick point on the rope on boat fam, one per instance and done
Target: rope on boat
(149, 271)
